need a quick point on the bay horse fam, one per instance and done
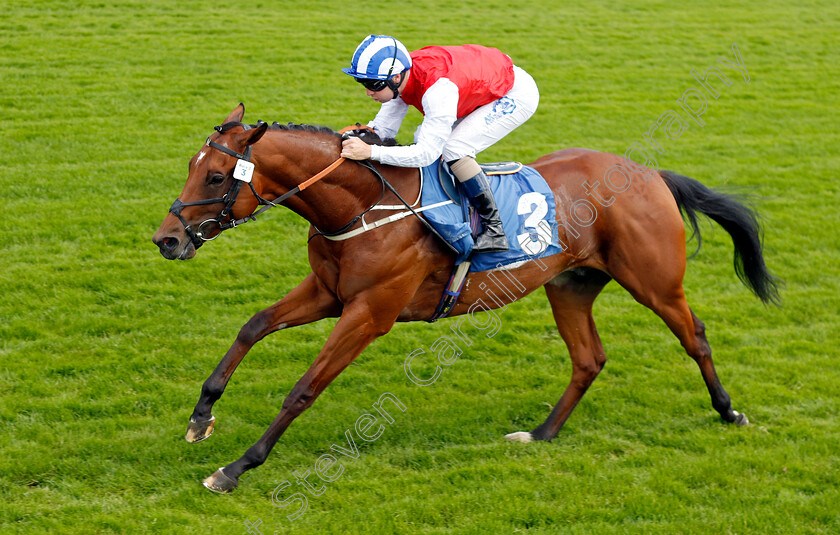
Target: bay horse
(398, 272)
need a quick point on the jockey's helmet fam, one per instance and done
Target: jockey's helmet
(378, 57)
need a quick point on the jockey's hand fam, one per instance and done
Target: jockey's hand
(354, 148)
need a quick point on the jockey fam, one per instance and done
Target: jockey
(471, 97)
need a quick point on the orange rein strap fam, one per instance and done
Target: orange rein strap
(294, 191)
(305, 184)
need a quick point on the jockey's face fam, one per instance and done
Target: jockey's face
(380, 96)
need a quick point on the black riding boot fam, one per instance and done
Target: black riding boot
(492, 239)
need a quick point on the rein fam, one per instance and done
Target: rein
(369, 165)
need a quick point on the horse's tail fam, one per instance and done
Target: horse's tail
(738, 220)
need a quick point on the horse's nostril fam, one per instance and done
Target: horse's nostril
(169, 243)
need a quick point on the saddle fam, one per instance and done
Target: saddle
(526, 208)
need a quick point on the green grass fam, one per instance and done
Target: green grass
(104, 345)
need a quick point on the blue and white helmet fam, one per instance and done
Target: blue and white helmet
(378, 57)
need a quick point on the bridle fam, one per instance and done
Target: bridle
(208, 226)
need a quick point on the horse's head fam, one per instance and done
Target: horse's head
(210, 201)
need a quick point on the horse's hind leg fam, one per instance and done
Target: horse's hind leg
(662, 292)
(720, 399)
(692, 334)
(308, 302)
(571, 295)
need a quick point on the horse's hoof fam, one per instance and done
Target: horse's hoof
(520, 436)
(740, 419)
(219, 482)
(198, 431)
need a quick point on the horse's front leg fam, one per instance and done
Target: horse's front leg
(309, 301)
(361, 322)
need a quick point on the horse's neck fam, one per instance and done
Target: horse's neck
(294, 157)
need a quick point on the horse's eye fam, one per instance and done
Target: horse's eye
(215, 180)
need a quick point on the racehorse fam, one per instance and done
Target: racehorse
(397, 273)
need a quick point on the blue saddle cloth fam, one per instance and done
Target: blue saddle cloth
(526, 207)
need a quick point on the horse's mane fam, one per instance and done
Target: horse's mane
(367, 136)
(292, 127)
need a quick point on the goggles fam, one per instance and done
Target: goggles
(373, 85)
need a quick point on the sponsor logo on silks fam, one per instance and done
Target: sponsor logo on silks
(503, 106)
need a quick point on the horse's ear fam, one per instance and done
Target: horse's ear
(236, 115)
(255, 134)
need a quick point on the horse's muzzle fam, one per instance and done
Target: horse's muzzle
(173, 248)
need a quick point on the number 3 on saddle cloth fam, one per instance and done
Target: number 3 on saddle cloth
(526, 207)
